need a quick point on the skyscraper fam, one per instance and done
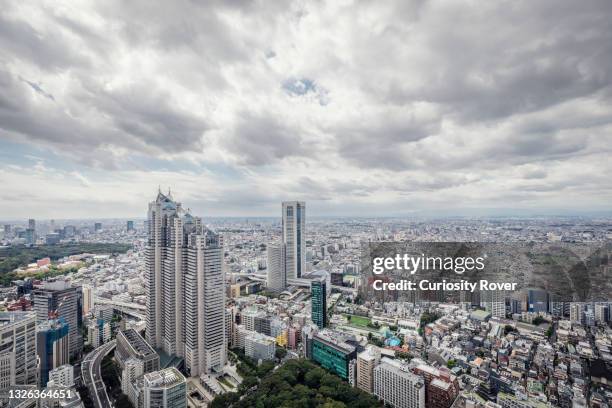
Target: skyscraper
(58, 299)
(318, 302)
(277, 274)
(130, 226)
(18, 351)
(52, 346)
(294, 222)
(185, 287)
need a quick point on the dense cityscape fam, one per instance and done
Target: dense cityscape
(180, 311)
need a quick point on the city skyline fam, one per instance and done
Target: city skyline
(379, 113)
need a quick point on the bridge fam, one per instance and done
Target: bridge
(131, 309)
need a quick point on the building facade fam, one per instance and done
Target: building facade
(333, 353)
(395, 385)
(259, 346)
(58, 299)
(294, 223)
(52, 346)
(318, 302)
(277, 274)
(165, 389)
(17, 349)
(185, 287)
(366, 362)
(130, 344)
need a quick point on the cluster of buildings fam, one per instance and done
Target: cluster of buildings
(200, 294)
(53, 232)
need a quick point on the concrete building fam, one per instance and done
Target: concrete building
(366, 362)
(294, 223)
(277, 274)
(185, 287)
(577, 312)
(602, 313)
(130, 344)
(17, 349)
(99, 332)
(58, 299)
(62, 375)
(441, 387)
(88, 299)
(395, 385)
(133, 370)
(104, 312)
(259, 346)
(165, 389)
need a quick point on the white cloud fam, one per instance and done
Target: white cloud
(356, 107)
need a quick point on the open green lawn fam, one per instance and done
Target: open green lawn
(358, 320)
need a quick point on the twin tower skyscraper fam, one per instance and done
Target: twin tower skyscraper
(185, 282)
(286, 258)
(185, 287)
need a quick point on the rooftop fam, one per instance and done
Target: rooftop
(164, 378)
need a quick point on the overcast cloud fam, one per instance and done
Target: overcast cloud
(359, 108)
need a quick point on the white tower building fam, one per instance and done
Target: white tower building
(294, 222)
(185, 287)
(277, 274)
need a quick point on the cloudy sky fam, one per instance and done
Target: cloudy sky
(359, 108)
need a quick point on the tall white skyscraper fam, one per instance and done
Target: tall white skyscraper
(277, 274)
(294, 222)
(185, 287)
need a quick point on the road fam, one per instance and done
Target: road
(92, 375)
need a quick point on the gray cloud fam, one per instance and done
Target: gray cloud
(359, 106)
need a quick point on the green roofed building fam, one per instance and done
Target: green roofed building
(333, 353)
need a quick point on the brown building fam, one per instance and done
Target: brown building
(441, 387)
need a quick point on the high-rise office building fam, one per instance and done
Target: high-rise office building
(130, 226)
(277, 274)
(395, 385)
(367, 360)
(98, 226)
(318, 302)
(58, 299)
(88, 299)
(17, 349)
(185, 287)
(294, 223)
(32, 224)
(52, 347)
(165, 389)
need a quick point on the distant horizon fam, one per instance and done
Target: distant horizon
(416, 216)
